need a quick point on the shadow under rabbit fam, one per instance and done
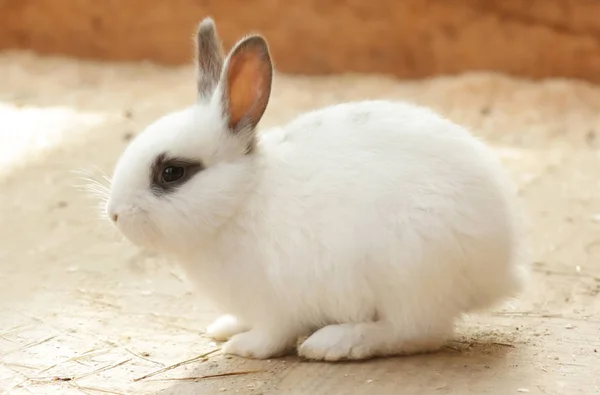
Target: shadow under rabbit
(462, 366)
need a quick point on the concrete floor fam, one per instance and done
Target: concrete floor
(83, 312)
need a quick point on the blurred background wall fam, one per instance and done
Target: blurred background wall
(405, 38)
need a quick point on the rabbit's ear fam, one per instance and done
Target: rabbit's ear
(209, 57)
(246, 84)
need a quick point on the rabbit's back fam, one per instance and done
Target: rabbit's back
(388, 197)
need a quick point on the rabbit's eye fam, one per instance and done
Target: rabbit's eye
(168, 174)
(172, 173)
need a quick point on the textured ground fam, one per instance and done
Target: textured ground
(83, 312)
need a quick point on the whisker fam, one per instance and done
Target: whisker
(94, 181)
(95, 184)
(91, 187)
(95, 192)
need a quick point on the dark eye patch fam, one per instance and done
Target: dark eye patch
(167, 173)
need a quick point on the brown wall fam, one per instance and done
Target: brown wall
(407, 38)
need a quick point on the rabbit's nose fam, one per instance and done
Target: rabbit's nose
(111, 213)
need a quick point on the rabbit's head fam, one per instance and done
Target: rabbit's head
(189, 171)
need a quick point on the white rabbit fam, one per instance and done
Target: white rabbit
(370, 226)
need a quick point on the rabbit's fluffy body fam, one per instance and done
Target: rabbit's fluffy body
(375, 224)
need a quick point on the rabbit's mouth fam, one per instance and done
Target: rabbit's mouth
(137, 227)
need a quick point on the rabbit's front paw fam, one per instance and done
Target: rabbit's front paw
(225, 327)
(258, 344)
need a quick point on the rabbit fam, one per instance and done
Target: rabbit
(368, 228)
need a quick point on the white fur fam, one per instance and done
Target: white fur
(225, 327)
(378, 222)
(370, 226)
